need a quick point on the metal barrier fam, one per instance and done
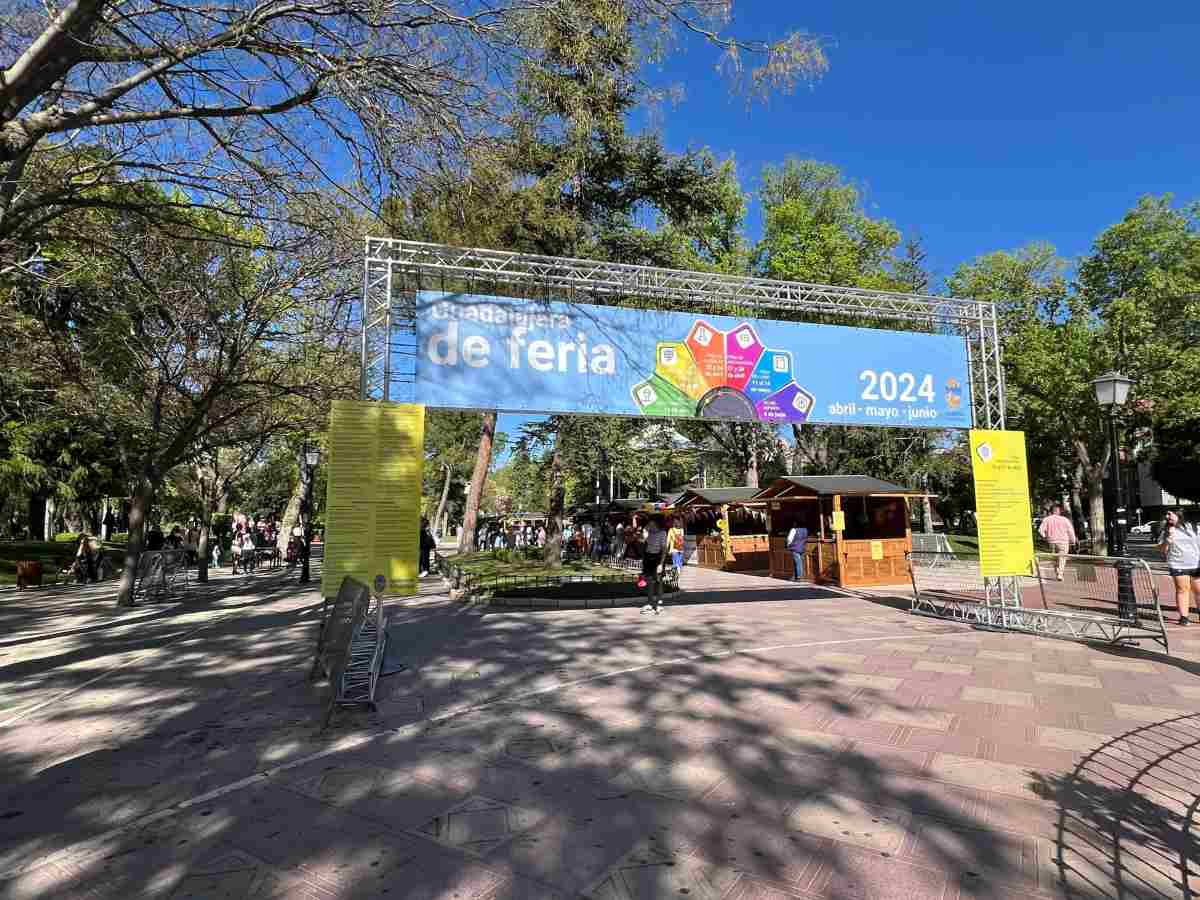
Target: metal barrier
(629, 570)
(931, 543)
(161, 575)
(350, 646)
(1113, 599)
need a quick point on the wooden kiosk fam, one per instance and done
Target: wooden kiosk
(729, 528)
(858, 528)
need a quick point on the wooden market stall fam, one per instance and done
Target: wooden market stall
(728, 527)
(858, 527)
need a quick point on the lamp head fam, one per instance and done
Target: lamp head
(1112, 389)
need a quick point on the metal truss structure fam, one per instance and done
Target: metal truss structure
(395, 270)
(948, 587)
(361, 675)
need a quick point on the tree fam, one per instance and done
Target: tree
(818, 231)
(189, 347)
(1134, 308)
(223, 105)
(483, 462)
(451, 439)
(1176, 460)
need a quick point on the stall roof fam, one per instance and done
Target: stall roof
(826, 485)
(634, 503)
(717, 496)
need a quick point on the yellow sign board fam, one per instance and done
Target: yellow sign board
(1002, 502)
(373, 498)
(876, 549)
(839, 520)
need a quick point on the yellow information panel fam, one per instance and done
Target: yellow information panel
(373, 498)
(1002, 502)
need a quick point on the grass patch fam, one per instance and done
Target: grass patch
(497, 563)
(51, 554)
(963, 543)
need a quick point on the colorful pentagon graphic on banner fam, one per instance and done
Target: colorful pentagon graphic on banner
(729, 375)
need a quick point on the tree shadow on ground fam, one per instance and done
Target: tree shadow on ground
(521, 755)
(1127, 821)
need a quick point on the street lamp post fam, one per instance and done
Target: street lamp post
(312, 458)
(1112, 389)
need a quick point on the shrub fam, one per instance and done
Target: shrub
(67, 537)
(120, 537)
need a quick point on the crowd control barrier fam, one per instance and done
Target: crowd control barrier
(350, 646)
(1099, 598)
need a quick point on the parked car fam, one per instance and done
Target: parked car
(1144, 528)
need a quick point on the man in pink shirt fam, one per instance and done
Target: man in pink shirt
(1059, 533)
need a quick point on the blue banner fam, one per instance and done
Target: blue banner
(480, 352)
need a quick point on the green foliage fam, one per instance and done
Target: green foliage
(1176, 460)
(67, 537)
(817, 231)
(1135, 307)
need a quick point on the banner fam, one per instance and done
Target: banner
(373, 495)
(481, 352)
(1002, 502)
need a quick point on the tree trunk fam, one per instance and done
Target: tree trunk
(752, 468)
(1093, 485)
(202, 551)
(552, 555)
(439, 518)
(291, 518)
(139, 510)
(37, 515)
(797, 465)
(1095, 500)
(1075, 504)
(483, 462)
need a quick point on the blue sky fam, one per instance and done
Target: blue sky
(979, 126)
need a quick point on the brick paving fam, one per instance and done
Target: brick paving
(757, 740)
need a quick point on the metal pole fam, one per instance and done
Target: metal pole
(1119, 523)
(1126, 601)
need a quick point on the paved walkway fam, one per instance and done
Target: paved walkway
(789, 742)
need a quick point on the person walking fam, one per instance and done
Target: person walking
(1181, 547)
(653, 557)
(797, 544)
(675, 543)
(427, 546)
(235, 547)
(1057, 530)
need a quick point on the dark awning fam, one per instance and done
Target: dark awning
(827, 485)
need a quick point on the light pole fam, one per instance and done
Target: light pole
(312, 458)
(1112, 390)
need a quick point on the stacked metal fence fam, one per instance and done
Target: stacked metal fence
(1113, 599)
(161, 575)
(350, 645)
